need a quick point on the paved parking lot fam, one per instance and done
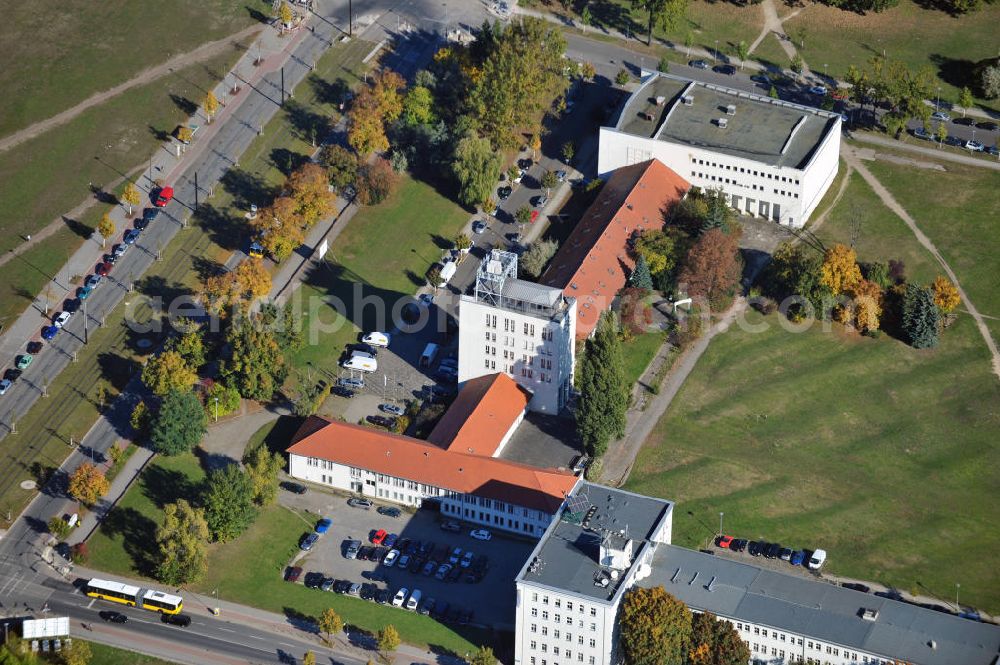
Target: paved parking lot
(505, 556)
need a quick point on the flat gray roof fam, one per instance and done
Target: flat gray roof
(821, 610)
(538, 295)
(766, 130)
(567, 559)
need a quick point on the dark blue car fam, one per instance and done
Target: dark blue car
(324, 525)
(49, 332)
(390, 540)
(798, 557)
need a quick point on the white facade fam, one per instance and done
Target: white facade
(770, 646)
(784, 194)
(493, 513)
(534, 346)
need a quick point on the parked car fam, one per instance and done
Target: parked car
(92, 281)
(403, 562)
(818, 90)
(974, 146)
(294, 488)
(988, 126)
(148, 215)
(478, 226)
(785, 554)
(856, 586)
(341, 391)
(390, 540)
(941, 115)
(119, 250)
(163, 196)
(382, 421)
(561, 175)
(313, 580)
(84, 292)
(738, 545)
(413, 600)
(451, 526)
(394, 409)
(354, 589)
(922, 134)
(753, 548)
(389, 511)
(353, 547)
(342, 586)
(5, 385)
(400, 597)
(817, 559)
(760, 78)
(540, 201)
(724, 542)
(967, 122)
(379, 536)
(49, 333)
(324, 525)
(443, 571)
(130, 236)
(429, 568)
(456, 554)
(480, 534)
(390, 559)
(728, 70)
(360, 502)
(773, 550)
(308, 542)
(351, 383)
(798, 556)
(427, 606)
(327, 584)
(24, 361)
(698, 64)
(467, 559)
(504, 193)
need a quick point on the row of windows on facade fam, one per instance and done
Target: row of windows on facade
(567, 653)
(510, 325)
(817, 646)
(756, 174)
(526, 372)
(512, 341)
(558, 603)
(485, 518)
(544, 363)
(569, 635)
(760, 188)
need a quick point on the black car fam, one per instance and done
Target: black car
(113, 617)
(503, 193)
(773, 551)
(148, 216)
(738, 545)
(413, 547)
(855, 586)
(753, 548)
(295, 488)
(698, 64)
(454, 574)
(988, 126)
(891, 594)
(416, 564)
(369, 591)
(365, 552)
(181, 620)
(313, 580)
(728, 70)
(383, 597)
(968, 122)
(341, 391)
(955, 141)
(389, 511)
(760, 78)
(341, 586)
(382, 421)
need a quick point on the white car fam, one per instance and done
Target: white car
(400, 597)
(974, 146)
(61, 319)
(5, 386)
(414, 600)
(377, 339)
(817, 559)
(941, 115)
(467, 559)
(818, 90)
(481, 534)
(390, 559)
(478, 226)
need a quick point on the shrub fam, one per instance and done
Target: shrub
(79, 554)
(59, 527)
(229, 399)
(622, 77)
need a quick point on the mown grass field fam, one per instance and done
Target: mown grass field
(103, 654)
(884, 455)
(58, 55)
(248, 570)
(918, 36)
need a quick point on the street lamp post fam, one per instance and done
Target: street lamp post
(720, 522)
(717, 50)
(957, 587)
(216, 409)
(215, 594)
(937, 100)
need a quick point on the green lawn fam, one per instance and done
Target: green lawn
(383, 253)
(908, 32)
(882, 454)
(50, 175)
(58, 55)
(639, 351)
(770, 53)
(248, 570)
(105, 655)
(958, 212)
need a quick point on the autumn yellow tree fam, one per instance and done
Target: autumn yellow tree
(238, 287)
(535, 144)
(309, 658)
(75, 652)
(131, 196)
(168, 371)
(285, 13)
(867, 305)
(330, 623)
(185, 134)
(945, 294)
(386, 90)
(278, 228)
(106, 227)
(310, 190)
(366, 125)
(211, 105)
(88, 484)
(388, 638)
(840, 271)
(655, 626)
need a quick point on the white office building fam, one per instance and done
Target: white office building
(523, 329)
(605, 541)
(772, 159)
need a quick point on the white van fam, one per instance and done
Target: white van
(447, 272)
(362, 354)
(817, 559)
(414, 600)
(376, 339)
(429, 354)
(361, 363)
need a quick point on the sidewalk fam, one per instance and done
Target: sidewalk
(163, 165)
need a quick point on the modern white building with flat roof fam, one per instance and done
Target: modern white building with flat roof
(605, 541)
(772, 158)
(523, 329)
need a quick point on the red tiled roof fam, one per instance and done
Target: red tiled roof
(591, 265)
(481, 415)
(400, 456)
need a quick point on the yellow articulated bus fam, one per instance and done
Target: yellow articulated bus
(147, 599)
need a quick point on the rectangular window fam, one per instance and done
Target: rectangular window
(534, 627)
(534, 611)
(593, 611)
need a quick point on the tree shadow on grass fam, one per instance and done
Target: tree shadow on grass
(287, 161)
(280, 436)
(138, 535)
(954, 71)
(307, 125)
(117, 369)
(161, 135)
(247, 188)
(77, 227)
(328, 92)
(163, 486)
(213, 461)
(186, 106)
(300, 620)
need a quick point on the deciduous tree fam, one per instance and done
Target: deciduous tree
(476, 167)
(965, 100)
(228, 400)
(330, 623)
(309, 658)
(105, 227)
(366, 126)
(867, 297)
(179, 424)
(386, 88)
(388, 638)
(742, 52)
(131, 196)
(59, 527)
(549, 180)
(182, 544)
(588, 71)
(168, 371)
(945, 294)
(655, 627)
(190, 346)
(237, 288)
(228, 500)
(418, 106)
(88, 484)
(713, 267)
(376, 182)
(262, 467)
(341, 165)
(310, 191)
(941, 133)
(254, 362)
(285, 13)
(663, 14)
(921, 317)
(840, 271)
(483, 656)
(568, 151)
(523, 215)
(715, 642)
(211, 105)
(604, 394)
(533, 261)
(76, 652)
(141, 419)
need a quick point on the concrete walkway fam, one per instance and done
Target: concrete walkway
(890, 201)
(777, 26)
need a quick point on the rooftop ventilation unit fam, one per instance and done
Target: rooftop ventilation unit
(731, 109)
(687, 100)
(722, 123)
(869, 614)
